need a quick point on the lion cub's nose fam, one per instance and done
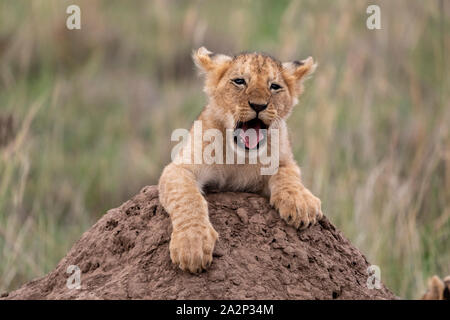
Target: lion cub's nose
(257, 107)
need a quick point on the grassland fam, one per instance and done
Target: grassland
(93, 110)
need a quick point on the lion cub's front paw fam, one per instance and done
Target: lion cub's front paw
(192, 247)
(299, 209)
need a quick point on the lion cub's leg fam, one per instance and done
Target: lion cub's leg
(296, 204)
(193, 237)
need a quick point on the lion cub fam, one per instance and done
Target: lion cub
(254, 94)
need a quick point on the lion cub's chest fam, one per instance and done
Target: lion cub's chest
(245, 178)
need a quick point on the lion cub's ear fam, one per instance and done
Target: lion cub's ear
(208, 61)
(447, 288)
(436, 288)
(300, 70)
(296, 72)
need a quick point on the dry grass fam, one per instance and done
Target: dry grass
(93, 111)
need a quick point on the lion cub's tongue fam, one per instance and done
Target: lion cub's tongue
(252, 137)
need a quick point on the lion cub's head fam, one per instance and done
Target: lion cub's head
(251, 90)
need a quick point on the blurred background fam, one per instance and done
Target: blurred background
(86, 117)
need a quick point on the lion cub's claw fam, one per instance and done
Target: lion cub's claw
(300, 210)
(191, 249)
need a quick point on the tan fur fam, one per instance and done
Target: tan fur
(438, 289)
(181, 185)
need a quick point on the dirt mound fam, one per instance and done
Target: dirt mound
(125, 255)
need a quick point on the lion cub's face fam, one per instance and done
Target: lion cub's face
(251, 90)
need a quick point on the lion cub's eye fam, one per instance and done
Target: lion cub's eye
(239, 81)
(275, 86)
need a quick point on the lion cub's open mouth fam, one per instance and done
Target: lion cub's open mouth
(251, 139)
